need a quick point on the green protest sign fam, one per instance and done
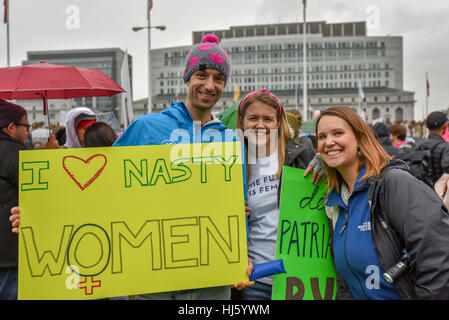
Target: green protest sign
(304, 241)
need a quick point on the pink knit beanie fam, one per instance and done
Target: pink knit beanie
(207, 55)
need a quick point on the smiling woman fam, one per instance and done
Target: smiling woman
(263, 124)
(377, 209)
(344, 139)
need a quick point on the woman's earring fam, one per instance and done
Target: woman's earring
(360, 153)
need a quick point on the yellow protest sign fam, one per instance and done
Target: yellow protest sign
(103, 222)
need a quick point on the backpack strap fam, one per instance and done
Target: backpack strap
(375, 184)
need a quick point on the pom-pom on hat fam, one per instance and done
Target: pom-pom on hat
(207, 55)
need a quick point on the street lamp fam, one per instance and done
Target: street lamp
(135, 29)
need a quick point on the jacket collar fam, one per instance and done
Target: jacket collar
(336, 198)
(179, 110)
(434, 136)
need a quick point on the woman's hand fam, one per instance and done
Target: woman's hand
(247, 211)
(15, 219)
(52, 143)
(316, 164)
(441, 185)
(242, 285)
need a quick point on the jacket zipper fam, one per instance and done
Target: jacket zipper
(346, 257)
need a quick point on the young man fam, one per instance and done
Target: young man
(436, 122)
(14, 130)
(206, 72)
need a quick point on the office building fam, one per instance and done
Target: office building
(339, 57)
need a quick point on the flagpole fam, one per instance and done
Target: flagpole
(427, 96)
(304, 71)
(149, 102)
(8, 59)
(361, 95)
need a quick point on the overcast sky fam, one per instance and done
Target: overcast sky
(53, 25)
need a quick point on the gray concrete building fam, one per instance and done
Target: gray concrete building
(339, 56)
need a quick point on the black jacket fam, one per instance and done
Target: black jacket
(297, 155)
(397, 153)
(406, 213)
(9, 180)
(440, 155)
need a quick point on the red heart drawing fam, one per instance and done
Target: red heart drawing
(93, 178)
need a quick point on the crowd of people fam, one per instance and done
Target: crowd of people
(380, 213)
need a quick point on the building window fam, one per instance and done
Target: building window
(399, 114)
(376, 114)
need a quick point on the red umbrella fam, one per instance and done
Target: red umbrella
(52, 81)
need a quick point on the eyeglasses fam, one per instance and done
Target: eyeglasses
(26, 125)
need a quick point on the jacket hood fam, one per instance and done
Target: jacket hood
(74, 116)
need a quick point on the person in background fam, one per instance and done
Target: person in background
(437, 123)
(14, 131)
(99, 134)
(382, 132)
(60, 135)
(380, 216)
(293, 125)
(263, 123)
(298, 116)
(78, 119)
(397, 137)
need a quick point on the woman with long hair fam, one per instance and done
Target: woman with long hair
(264, 129)
(390, 230)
